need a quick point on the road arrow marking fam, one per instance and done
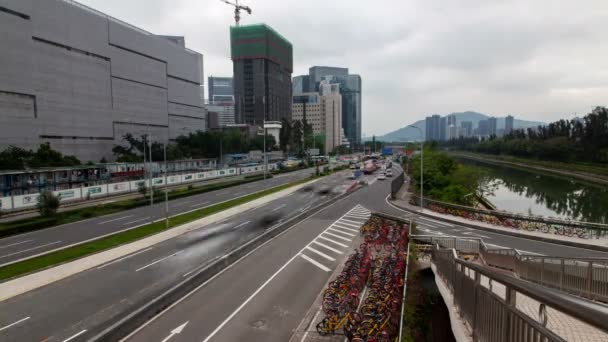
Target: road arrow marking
(175, 331)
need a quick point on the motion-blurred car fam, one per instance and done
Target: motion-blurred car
(381, 176)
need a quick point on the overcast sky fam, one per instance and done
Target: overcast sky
(536, 59)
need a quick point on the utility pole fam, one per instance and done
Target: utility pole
(151, 183)
(166, 192)
(265, 160)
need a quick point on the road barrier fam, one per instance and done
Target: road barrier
(584, 230)
(28, 201)
(496, 306)
(122, 326)
(396, 184)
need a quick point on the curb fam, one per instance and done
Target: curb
(123, 326)
(509, 233)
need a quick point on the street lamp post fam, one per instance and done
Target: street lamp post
(166, 192)
(421, 166)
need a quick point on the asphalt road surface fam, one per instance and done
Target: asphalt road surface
(265, 296)
(25, 245)
(91, 298)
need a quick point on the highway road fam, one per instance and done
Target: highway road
(265, 296)
(25, 245)
(79, 303)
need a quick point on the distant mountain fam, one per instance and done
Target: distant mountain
(411, 134)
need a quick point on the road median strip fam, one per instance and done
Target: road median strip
(82, 250)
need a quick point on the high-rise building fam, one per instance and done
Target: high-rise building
(80, 80)
(323, 111)
(443, 129)
(433, 128)
(483, 128)
(221, 90)
(454, 132)
(452, 120)
(350, 89)
(299, 85)
(492, 126)
(509, 124)
(224, 113)
(467, 128)
(317, 73)
(262, 64)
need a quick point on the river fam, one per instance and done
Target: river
(530, 192)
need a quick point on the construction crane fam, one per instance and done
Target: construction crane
(237, 10)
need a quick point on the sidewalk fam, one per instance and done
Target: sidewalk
(402, 202)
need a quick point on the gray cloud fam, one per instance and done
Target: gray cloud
(540, 60)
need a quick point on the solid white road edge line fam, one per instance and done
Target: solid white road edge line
(15, 323)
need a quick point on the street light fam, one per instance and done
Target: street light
(421, 166)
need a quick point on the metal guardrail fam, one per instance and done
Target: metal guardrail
(493, 305)
(585, 277)
(585, 230)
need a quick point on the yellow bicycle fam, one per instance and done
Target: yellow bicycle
(331, 324)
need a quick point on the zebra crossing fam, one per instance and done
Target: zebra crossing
(336, 239)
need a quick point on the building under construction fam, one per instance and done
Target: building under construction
(263, 63)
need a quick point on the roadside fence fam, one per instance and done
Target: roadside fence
(584, 230)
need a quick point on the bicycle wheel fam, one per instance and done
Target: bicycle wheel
(322, 328)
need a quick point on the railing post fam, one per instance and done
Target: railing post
(511, 300)
(589, 279)
(476, 287)
(542, 270)
(562, 273)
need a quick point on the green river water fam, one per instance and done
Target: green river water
(528, 192)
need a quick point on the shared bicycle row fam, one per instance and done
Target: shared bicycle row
(362, 301)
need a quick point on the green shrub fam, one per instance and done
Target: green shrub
(48, 204)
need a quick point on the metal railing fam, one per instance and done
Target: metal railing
(585, 277)
(584, 230)
(497, 307)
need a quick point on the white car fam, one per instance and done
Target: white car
(381, 176)
(389, 173)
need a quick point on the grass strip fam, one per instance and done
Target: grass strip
(88, 248)
(71, 216)
(589, 168)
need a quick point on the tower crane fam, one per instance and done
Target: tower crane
(237, 9)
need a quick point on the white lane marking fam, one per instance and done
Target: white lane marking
(116, 219)
(15, 244)
(332, 241)
(200, 204)
(250, 298)
(123, 258)
(141, 219)
(435, 221)
(279, 207)
(338, 236)
(239, 194)
(361, 212)
(354, 222)
(242, 224)
(348, 224)
(15, 323)
(175, 331)
(358, 216)
(320, 253)
(29, 249)
(157, 261)
(305, 208)
(341, 232)
(314, 262)
(527, 252)
(183, 203)
(345, 228)
(74, 336)
(314, 320)
(328, 247)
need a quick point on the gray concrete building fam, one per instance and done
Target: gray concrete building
(509, 124)
(80, 79)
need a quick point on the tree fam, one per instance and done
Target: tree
(142, 189)
(48, 203)
(285, 135)
(297, 135)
